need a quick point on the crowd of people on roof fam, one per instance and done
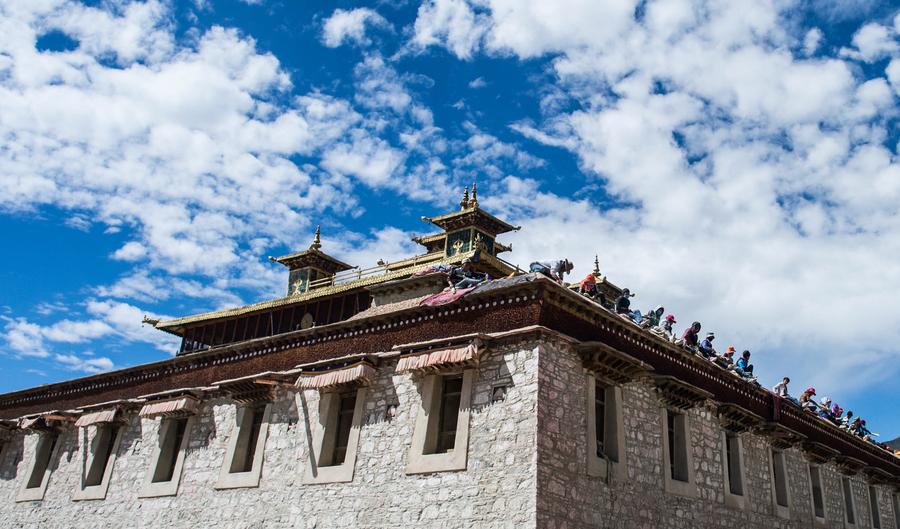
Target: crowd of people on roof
(466, 276)
(664, 327)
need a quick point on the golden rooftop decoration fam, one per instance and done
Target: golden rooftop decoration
(317, 241)
(473, 202)
(464, 203)
(596, 266)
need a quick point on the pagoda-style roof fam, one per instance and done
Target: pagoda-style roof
(313, 257)
(472, 217)
(469, 215)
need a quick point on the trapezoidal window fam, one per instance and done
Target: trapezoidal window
(873, 507)
(441, 436)
(335, 440)
(605, 437)
(896, 501)
(451, 391)
(734, 464)
(164, 474)
(677, 446)
(849, 504)
(780, 480)
(243, 461)
(818, 496)
(103, 445)
(38, 476)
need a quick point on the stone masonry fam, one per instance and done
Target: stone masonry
(526, 465)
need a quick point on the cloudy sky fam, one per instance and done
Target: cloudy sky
(735, 162)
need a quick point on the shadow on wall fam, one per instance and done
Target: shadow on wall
(11, 454)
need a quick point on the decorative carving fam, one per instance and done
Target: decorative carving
(817, 452)
(848, 465)
(737, 419)
(677, 394)
(780, 437)
(610, 364)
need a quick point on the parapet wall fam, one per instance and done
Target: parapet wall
(635, 496)
(496, 490)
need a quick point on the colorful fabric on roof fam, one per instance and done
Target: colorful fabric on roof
(440, 357)
(167, 408)
(445, 297)
(97, 417)
(346, 375)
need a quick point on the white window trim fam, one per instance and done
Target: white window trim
(599, 466)
(329, 406)
(782, 511)
(895, 500)
(426, 422)
(97, 492)
(674, 486)
(735, 501)
(166, 488)
(847, 522)
(822, 520)
(37, 493)
(249, 479)
(876, 513)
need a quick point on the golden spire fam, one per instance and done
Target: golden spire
(317, 241)
(596, 266)
(474, 202)
(464, 203)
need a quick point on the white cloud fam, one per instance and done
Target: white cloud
(874, 41)
(477, 83)
(452, 23)
(350, 26)
(741, 168)
(86, 365)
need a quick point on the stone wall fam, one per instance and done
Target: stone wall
(497, 489)
(568, 498)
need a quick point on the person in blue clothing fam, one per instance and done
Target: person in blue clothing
(706, 346)
(743, 366)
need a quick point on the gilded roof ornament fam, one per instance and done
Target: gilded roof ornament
(596, 265)
(473, 202)
(464, 203)
(317, 241)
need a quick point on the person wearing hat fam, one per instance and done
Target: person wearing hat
(555, 270)
(706, 346)
(588, 288)
(652, 318)
(806, 399)
(691, 336)
(465, 276)
(666, 328)
(623, 304)
(726, 361)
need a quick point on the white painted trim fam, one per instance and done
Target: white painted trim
(98, 492)
(426, 427)
(599, 466)
(735, 501)
(166, 488)
(847, 522)
(37, 493)
(876, 513)
(673, 486)
(821, 520)
(235, 480)
(329, 407)
(782, 511)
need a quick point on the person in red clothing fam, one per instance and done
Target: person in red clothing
(691, 336)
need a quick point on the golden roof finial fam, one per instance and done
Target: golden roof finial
(597, 265)
(464, 203)
(474, 202)
(317, 241)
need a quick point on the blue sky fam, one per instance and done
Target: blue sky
(737, 164)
